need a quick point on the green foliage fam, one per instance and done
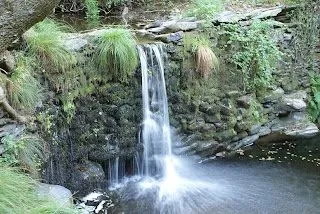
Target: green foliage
(44, 41)
(204, 9)
(256, 54)
(25, 151)
(46, 121)
(306, 35)
(18, 195)
(314, 99)
(92, 10)
(24, 91)
(116, 54)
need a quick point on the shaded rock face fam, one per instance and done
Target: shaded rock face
(109, 122)
(105, 127)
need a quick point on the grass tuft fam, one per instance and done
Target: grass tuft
(26, 151)
(44, 40)
(116, 54)
(18, 195)
(206, 61)
(24, 91)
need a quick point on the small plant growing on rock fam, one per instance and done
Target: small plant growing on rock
(116, 54)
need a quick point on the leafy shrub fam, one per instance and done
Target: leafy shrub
(18, 195)
(204, 9)
(116, 54)
(256, 54)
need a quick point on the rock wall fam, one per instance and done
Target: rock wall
(216, 116)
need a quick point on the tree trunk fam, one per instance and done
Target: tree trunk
(17, 16)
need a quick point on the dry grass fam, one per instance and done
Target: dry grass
(206, 61)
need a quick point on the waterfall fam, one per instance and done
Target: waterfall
(156, 129)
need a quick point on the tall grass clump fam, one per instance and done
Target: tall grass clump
(27, 152)
(18, 195)
(116, 54)
(23, 89)
(204, 9)
(44, 41)
(205, 59)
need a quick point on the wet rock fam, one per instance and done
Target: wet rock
(208, 127)
(145, 34)
(264, 131)
(240, 136)
(95, 202)
(255, 129)
(206, 145)
(216, 118)
(209, 109)
(268, 13)
(157, 30)
(186, 150)
(154, 24)
(244, 142)
(87, 176)
(171, 37)
(196, 125)
(181, 26)
(226, 107)
(295, 101)
(273, 96)
(225, 135)
(228, 17)
(59, 193)
(308, 131)
(245, 101)
(75, 44)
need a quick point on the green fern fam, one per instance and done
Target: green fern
(116, 54)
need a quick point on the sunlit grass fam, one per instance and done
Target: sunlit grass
(116, 54)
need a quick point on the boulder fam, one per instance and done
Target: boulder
(75, 44)
(56, 192)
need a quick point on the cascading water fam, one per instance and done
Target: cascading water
(175, 185)
(156, 129)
